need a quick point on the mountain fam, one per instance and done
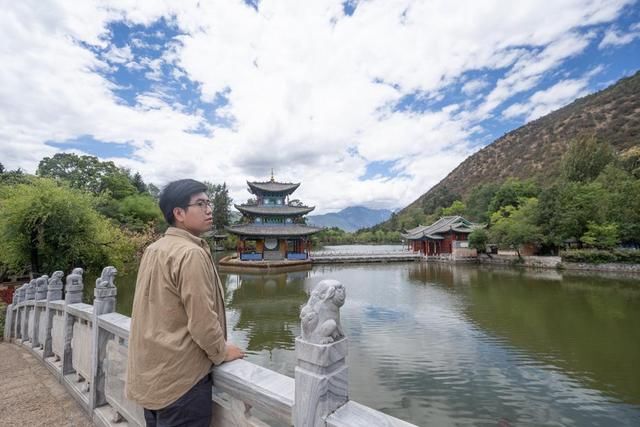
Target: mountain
(351, 219)
(535, 149)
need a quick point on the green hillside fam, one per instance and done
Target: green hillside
(534, 150)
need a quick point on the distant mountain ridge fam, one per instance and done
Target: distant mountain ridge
(351, 219)
(535, 149)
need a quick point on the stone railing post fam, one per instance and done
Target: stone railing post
(104, 302)
(17, 323)
(41, 294)
(54, 293)
(321, 375)
(8, 321)
(30, 295)
(73, 295)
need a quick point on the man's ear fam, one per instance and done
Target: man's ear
(179, 214)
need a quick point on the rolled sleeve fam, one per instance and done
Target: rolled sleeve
(196, 286)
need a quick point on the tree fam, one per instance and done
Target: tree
(585, 158)
(620, 202)
(515, 226)
(219, 196)
(14, 177)
(478, 239)
(456, 208)
(601, 236)
(510, 193)
(153, 191)
(566, 208)
(50, 227)
(87, 173)
(415, 218)
(478, 202)
(139, 211)
(138, 183)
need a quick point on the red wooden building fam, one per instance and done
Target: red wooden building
(442, 237)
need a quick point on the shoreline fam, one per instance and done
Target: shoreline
(555, 262)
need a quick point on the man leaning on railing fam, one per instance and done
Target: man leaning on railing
(178, 324)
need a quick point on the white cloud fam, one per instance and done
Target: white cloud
(548, 100)
(473, 86)
(309, 90)
(119, 55)
(613, 37)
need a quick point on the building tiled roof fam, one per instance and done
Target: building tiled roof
(274, 210)
(444, 224)
(272, 187)
(261, 230)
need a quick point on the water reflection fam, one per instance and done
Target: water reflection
(440, 344)
(267, 307)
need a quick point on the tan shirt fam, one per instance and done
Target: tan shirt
(178, 323)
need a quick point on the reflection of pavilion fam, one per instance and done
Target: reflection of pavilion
(269, 308)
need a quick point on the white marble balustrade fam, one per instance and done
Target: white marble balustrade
(85, 346)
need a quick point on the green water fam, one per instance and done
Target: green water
(436, 344)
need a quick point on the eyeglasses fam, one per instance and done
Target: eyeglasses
(202, 204)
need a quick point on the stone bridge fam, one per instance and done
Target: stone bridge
(84, 347)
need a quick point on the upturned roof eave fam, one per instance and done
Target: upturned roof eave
(264, 210)
(287, 187)
(273, 231)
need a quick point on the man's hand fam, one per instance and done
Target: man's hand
(233, 352)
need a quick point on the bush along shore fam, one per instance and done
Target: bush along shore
(625, 261)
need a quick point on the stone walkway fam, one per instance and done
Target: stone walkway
(30, 395)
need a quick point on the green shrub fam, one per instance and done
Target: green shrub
(598, 256)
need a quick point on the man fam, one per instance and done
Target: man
(178, 323)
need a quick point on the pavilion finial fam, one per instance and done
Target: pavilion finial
(272, 178)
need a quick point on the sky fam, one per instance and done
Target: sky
(365, 103)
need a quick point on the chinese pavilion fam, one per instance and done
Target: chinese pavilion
(273, 228)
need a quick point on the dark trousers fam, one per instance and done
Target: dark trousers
(193, 409)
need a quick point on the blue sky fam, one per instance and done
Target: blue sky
(367, 103)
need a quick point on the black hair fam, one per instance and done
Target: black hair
(177, 194)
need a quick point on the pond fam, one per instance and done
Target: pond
(438, 344)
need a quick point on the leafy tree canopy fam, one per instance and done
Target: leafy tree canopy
(47, 226)
(601, 236)
(456, 208)
(87, 173)
(478, 202)
(513, 226)
(511, 193)
(478, 239)
(219, 196)
(585, 158)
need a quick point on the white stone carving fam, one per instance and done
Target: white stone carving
(321, 315)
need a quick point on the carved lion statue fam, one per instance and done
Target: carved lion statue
(56, 278)
(41, 283)
(321, 314)
(107, 277)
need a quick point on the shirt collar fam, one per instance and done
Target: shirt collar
(175, 231)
